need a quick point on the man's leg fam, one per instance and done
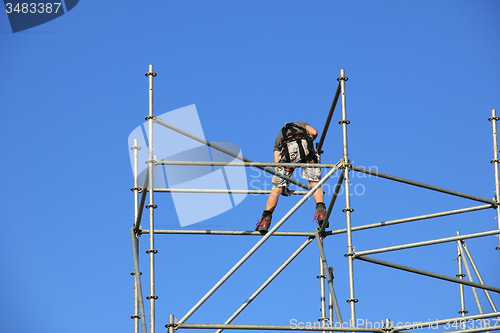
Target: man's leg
(319, 198)
(318, 195)
(272, 199)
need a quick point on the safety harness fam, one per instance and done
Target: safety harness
(293, 132)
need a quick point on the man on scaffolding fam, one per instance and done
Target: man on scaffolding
(294, 144)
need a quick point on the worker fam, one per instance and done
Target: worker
(294, 144)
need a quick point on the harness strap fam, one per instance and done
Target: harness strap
(292, 132)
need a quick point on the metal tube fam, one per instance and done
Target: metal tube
(447, 321)
(479, 329)
(202, 190)
(256, 246)
(347, 166)
(430, 242)
(307, 234)
(426, 273)
(136, 149)
(331, 300)
(474, 267)
(246, 164)
(419, 184)
(460, 275)
(329, 278)
(328, 120)
(137, 277)
(469, 276)
(495, 162)
(267, 282)
(151, 206)
(321, 278)
(228, 152)
(227, 232)
(141, 204)
(171, 324)
(136, 188)
(414, 218)
(332, 203)
(136, 315)
(290, 327)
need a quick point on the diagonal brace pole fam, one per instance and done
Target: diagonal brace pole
(426, 273)
(267, 282)
(332, 203)
(479, 277)
(419, 184)
(257, 245)
(228, 152)
(328, 120)
(329, 277)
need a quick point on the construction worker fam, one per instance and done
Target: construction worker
(294, 144)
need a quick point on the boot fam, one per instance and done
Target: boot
(319, 217)
(264, 222)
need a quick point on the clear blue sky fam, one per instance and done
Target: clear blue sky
(423, 78)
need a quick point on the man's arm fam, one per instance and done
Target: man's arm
(276, 156)
(311, 131)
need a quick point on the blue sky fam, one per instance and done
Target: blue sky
(423, 78)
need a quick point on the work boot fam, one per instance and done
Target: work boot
(320, 214)
(264, 222)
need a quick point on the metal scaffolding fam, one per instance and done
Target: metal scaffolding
(331, 318)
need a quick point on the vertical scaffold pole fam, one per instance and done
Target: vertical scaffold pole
(330, 299)
(151, 206)
(322, 278)
(495, 162)
(461, 276)
(347, 210)
(136, 190)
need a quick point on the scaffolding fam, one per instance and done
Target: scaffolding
(331, 317)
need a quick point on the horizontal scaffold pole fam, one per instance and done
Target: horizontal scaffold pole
(423, 185)
(415, 218)
(429, 242)
(433, 323)
(291, 327)
(477, 329)
(227, 232)
(208, 190)
(426, 273)
(246, 164)
(308, 234)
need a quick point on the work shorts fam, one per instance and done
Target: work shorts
(308, 173)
